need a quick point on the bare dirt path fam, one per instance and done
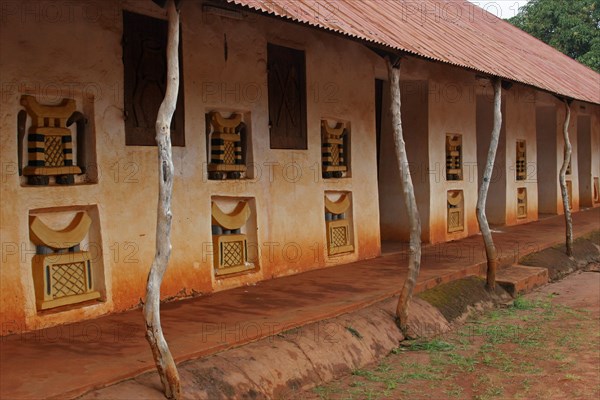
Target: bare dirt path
(546, 345)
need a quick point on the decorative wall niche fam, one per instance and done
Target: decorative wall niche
(596, 190)
(227, 144)
(338, 222)
(521, 167)
(231, 222)
(67, 267)
(456, 211)
(454, 171)
(570, 193)
(335, 148)
(522, 203)
(59, 147)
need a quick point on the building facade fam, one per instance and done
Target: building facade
(283, 155)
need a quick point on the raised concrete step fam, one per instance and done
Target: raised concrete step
(519, 279)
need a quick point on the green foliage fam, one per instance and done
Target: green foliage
(572, 27)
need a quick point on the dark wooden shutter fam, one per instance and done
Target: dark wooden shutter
(287, 97)
(145, 64)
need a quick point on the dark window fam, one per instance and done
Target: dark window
(287, 97)
(145, 64)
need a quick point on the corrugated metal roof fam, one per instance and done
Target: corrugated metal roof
(451, 31)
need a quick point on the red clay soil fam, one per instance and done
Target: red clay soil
(69, 360)
(544, 346)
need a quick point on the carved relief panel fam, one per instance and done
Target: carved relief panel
(454, 171)
(228, 137)
(456, 211)
(230, 244)
(522, 203)
(62, 272)
(49, 143)
(334, 146)
(521, 163)
(340, 238)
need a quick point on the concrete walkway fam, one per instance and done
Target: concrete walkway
(67, 361)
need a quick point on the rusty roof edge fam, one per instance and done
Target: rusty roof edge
(541, 42)
(365, 40)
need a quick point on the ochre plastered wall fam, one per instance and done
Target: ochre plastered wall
(80, 58)
(76, 52)
(496, 203)
(588, 138)
(452, 108)
(546, 160)
(551, 112)
(518, 123)
(414, 110)
(595, 145)
(48, 53)
(550, 117)
(436, 100)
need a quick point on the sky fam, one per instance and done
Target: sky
(501, 8)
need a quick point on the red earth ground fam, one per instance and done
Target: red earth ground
(546, 345)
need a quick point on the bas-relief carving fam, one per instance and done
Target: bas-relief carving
(339, 237)
(522, 203)
(230, 245)
(521, 168)
(333, 159)
(456, 211)
(62, 272)
(226, 152)
(50, 143)
(453, 157)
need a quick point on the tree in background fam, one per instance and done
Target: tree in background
(572, 27)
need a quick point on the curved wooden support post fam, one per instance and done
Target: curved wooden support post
(490, 248)
(563, 183)
(167, 370)
(414, 256)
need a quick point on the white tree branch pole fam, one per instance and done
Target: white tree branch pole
(414, 260)
(165, 364)
(563, 181)
(490, 248)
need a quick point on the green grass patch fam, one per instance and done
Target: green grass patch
(521, 303)
(434, 345)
